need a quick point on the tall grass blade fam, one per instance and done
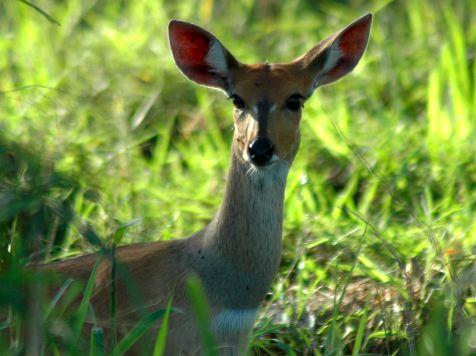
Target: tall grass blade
(202, 315)
(96, 347)
(57, 297)
(137, 332)
(361, 329)
(83, 307)
(41, 12)
(159, 347)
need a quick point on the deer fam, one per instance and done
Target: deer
(237, 255)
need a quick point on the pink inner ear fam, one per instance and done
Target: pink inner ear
(351, 43)
(354, 39)
(191, 46)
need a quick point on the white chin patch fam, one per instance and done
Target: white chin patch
(216, 58)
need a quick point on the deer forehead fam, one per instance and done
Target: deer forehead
(273, 82)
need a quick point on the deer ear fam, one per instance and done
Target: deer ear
(337, 55)
(200, 56)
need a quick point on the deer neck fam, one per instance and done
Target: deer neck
(237, 255)
(247, 229)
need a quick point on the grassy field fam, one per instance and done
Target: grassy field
(103, 141)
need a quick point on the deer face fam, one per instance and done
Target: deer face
(268, 101)
(268, 98)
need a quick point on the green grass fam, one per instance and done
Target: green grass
(103, 141)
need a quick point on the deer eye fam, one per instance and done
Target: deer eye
(238, 102)
(294, 102)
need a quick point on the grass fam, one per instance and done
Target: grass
(102, 142)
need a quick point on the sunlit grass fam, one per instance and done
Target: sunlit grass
(99, 129)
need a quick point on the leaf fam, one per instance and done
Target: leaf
(119, 233)
(90, 235)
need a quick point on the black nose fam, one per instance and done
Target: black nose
(260, 151)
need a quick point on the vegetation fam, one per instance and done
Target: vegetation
(103, 142)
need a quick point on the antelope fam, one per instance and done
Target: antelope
(236, 256)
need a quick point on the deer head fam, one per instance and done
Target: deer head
(268, 98)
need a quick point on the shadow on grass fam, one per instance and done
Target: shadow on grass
(36, 211)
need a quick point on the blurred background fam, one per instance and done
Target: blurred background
(103, 141)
